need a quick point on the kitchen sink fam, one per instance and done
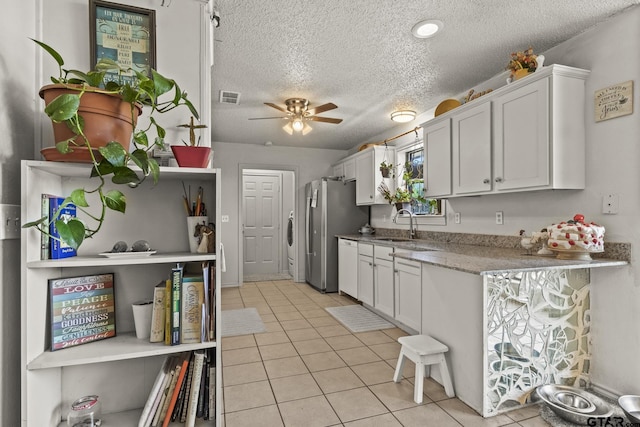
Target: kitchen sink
(394, 239)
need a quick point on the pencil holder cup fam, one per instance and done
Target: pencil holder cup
(193, 231)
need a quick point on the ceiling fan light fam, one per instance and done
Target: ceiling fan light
(288, 129)
(297, 124)
(427, 28)
(306, 129)
(403, 116)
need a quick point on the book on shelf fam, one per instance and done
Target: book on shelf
(82, 310)
(181, 371)
(194, 390)
(152, 421)
(155, 391)
(182, 414)
(158, 312)
(176, 294)
(45, 240)
(59, 211)
(192, 299)
(167, 312)
(209, 275)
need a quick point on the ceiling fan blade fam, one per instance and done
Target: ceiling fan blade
(266, 118)
(321, 109)
(325, 119)
(277, 107)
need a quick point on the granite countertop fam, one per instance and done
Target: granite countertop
(478, 259)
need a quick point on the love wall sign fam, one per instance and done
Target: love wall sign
(614, 101)
(82, 310)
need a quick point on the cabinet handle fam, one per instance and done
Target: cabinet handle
(371, 264)
(370, 196)
(498, 179)
(486, 181)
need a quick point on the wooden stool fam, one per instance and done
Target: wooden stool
(424, 351)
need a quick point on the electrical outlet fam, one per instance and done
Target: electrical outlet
(456, 218)
(499, 218)
(225, 218)
(610, 204)
(9, 222)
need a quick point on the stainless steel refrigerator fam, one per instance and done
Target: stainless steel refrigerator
(330, 210)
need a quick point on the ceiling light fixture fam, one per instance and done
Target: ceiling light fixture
(427, 28)
(403, 116)
(297, 124)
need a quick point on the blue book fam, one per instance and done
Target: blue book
(57, 248)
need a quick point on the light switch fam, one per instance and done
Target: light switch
(9, 222)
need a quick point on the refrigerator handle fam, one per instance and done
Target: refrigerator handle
(307, 225)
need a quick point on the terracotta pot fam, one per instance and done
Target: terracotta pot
(191, 157)
(106, 118)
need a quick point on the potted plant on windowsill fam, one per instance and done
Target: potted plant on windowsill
(112, 155)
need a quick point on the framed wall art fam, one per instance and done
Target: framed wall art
(125, 34)
(613, 101)
(82, 310)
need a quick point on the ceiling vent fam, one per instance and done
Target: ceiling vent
(228, 97)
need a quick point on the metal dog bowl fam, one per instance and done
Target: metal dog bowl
(630, 404)
(573, 404)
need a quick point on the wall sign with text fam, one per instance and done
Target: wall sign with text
(613, 101)
(125, 34)
(82, 310)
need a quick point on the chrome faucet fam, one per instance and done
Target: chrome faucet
(412, 230)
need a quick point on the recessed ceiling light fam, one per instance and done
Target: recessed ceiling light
(427, 28)
(403, 116)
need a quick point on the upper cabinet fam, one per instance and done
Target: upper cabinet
(437, 157)
(368, 176)
(528, 135)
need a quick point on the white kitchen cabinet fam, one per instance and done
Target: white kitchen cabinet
(524, 136)
(338, 170)
(350, 169)
(471, 149)
(539, 135)
(408, 293)
(348, 267)
(365, 273)
(368, 176)
(121, 369)
(383, 280)
(437, 157)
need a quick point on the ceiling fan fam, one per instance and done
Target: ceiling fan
(298, 113)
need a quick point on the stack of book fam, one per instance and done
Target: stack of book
(184, 390)
(184, 306)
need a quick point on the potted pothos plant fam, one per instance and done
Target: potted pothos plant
(118, 155)
(386, 168)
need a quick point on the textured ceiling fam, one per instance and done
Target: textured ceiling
(360, 55)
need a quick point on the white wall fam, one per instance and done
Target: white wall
(178, 53)
(17, 94)
(613, 157)
(307, 163)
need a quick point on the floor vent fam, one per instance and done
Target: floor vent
(228, 97)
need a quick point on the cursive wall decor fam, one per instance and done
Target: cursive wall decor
(613, 101)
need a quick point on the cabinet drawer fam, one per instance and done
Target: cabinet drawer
(384, 252)
(365, 249)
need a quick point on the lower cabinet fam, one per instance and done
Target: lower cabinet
(365, 273)
(408, 293)
(383, 280)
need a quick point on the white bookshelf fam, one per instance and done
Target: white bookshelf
(122, 369)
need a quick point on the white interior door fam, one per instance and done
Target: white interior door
(261, 227)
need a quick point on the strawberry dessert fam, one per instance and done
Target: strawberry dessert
(576, 234)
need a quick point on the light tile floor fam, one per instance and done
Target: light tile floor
(308, 370)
